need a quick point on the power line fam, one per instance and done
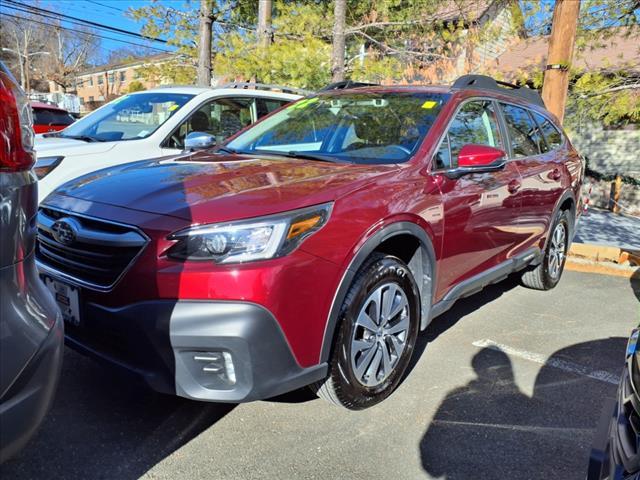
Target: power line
(105, 6)
(86, 22)
(86, 33)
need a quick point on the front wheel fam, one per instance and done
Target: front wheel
(547, 274)
(376, 336)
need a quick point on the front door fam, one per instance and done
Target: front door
(480, 210)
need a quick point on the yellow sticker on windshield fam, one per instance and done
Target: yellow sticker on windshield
(429, 104)
(173, 107)
(304, 103)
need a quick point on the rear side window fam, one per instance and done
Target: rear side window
(526, 138)
(550, 132)
(264, 106)
(44, 116)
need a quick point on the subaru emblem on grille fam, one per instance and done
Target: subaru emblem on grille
(64, 231)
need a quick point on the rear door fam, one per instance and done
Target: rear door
(539, 164)
(480, 210)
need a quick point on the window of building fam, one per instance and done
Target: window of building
(91, 98)
(100, 80)
(91, 81)
(112, 77)
(123, 76)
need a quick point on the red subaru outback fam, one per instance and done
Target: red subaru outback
(312, 247)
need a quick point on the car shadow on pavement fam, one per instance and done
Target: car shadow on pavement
(458, 311)
(103, 426)
(489, 428)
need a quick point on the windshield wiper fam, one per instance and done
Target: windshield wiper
(310, 156)
(226, 149)
(85, 138)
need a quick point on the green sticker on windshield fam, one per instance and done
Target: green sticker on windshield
(304, 103)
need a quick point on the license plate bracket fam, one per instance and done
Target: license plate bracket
(67, 297)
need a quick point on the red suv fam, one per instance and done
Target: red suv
(312, 247)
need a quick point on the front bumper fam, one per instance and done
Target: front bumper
(203, 350)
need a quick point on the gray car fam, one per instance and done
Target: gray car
(31, 327)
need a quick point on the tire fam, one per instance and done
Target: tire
(379, 361)
(547, 274)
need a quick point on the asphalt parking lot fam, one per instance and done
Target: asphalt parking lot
(508, 384)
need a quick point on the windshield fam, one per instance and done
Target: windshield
(129, 117)
(350, 127)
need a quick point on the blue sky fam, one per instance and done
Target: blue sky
(106, 12)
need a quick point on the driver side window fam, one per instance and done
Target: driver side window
(221, 118)
(475, 123)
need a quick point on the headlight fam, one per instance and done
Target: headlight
(248, 240)
(44, 165)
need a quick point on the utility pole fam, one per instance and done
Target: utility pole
(563, 38)
(264, 23)
(204, 43)
(337, 55)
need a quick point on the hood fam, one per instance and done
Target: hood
(206, 188)
(54, 146)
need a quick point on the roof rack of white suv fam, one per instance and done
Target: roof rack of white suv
(264, 86)
(487, 83)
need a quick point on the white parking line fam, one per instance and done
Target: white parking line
(565, 365)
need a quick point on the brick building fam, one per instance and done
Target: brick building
(94, 86)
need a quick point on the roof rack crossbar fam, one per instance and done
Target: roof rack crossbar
(264, 86)
(345, 84)
(487, 83)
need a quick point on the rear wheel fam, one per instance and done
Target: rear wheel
(376, 336)
(547, 274)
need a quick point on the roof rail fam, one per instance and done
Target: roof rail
(487, 83)
(344, 84)
(264, 86)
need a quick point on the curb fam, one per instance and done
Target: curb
(603, 259)
(602, 268)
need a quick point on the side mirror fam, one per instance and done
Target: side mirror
(478, 159)
(199, 141)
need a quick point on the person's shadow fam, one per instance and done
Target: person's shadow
(488, 428)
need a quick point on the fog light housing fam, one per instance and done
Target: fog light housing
(218, 363)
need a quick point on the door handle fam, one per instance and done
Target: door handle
(514, 186)
(556, 174)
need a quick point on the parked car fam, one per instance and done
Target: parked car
(31, 327)
(150, 124)
(50, 118)
(616, 452)
(312, 247)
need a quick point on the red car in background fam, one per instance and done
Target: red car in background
(49, 118)
(312, 247)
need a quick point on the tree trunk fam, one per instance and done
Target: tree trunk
(204, 44)
(561, 43)
(264, 22)
(337, 55)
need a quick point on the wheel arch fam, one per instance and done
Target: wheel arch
(389, 239)
(566, 201)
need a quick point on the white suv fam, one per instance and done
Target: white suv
(150, 124)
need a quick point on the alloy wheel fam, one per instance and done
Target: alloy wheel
(557, 251)
(380, 334)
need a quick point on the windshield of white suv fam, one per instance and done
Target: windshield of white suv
(346, 127)
(129, 117)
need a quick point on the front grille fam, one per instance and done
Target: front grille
(93, 252)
